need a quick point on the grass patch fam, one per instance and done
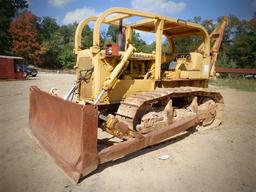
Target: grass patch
(236, 83)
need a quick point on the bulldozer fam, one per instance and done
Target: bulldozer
(136, 99)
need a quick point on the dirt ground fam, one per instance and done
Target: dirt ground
(221, 159)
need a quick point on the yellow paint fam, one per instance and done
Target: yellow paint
(121, 77)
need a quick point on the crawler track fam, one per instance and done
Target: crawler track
(133, 107)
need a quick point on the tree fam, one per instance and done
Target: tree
(47, 27)
(138, 42)
(66, 56)
(239, 47)
(208, 24)
(243, 47)
(8, 10)
(51, 37)
(24, 36)
(112, 32)
(87, 36)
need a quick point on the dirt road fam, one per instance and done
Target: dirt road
(221, 159)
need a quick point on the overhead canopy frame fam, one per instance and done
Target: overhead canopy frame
(171, 27)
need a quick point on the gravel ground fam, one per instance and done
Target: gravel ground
(220, 159)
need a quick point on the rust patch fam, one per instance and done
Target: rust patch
(66, 130)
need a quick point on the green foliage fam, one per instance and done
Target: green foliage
(8, 10)
(243, 51)
(238, 49)
(111, 33)
(149, 48)
(52, 39)
(208, 24)
(184, 44)
(66, 56)
(243, 47)
(48, 26)
(187, 44)
(87, 36)
(137, 42)
(224, 61)
(59, 41)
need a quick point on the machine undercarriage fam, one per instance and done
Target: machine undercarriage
(148, 111)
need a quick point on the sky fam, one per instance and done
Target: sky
(69, 11)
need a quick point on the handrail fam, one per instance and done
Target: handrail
(79, 31)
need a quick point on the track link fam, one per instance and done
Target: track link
(134, 106)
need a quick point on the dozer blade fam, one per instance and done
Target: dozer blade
(66, 130)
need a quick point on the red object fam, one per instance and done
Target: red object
(7, 68)
(112, 50)
(234, 70)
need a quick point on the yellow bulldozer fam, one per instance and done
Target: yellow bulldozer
(138, 98)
